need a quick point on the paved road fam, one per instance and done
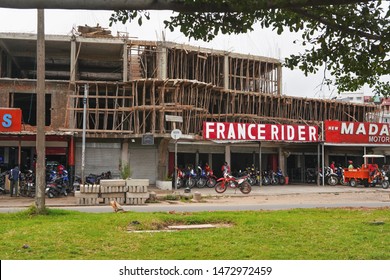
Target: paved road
(287, 197)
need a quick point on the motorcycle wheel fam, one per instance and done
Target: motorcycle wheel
(190, 183)
(251, 181)
(266, 181)
(332, 181)
(201, 183)
(211, 182)
(274, 181)
(220, 187)
(51, 194)
(179, 183)
(385, 184)
(352, 183)
(282, 180)
(245, 188)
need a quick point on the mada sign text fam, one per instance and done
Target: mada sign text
(259, 132)
(357, 132)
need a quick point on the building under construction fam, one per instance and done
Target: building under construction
(134, 89)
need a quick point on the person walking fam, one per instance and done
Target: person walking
(14, 180)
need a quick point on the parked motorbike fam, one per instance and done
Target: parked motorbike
(55, 190)
(211, 178)
(190, 177)
(2, 182)
(331, 178)
(93, 179)
(380, 178)
(76, 183)
(229, 181)
(251, 171)
(265, 178)
(201, 178)
(280, 177)
(27, 184)
(340, 175)
(311, 175)
(179, 179)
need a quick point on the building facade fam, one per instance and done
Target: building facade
(134, 89)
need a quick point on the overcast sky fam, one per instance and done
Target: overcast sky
(262, 42)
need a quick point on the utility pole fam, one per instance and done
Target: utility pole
(40, 179)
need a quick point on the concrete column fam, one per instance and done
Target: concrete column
(125, 152)
(163, 157)
(226, 72)
(228, 155)
(125, 63)
(282, 160)
(73, 60)
(9, 66)
(279, 75)
(326, 157)
(162, 62)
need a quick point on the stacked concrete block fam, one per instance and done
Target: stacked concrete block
(137, 192)
(86, 198)
(130, 192)
(113, 190)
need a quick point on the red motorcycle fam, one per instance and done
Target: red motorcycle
(228, 181)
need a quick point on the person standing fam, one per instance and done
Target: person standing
(14, 180)
(225, 169)
(333, 167)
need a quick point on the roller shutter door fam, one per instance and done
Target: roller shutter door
(99, 157)
(143, 163)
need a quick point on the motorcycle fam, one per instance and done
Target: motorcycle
(280, 177)
(179, 179)
(211, 178)
(228, 181)
(201, 179)
(2, 182)
(58, 184)
(252, 179)
(190, 177)
(380, 178)
(27, 184)
(55, 190)
(76, 183)
(94, 179)
(331, 178)
(340, 175)
(311, 175)
(265, 178)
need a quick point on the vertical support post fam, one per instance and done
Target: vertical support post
(125, 62)
(260, 166)
(318, 164)
(323, 164)
(175, 173)
(40, 140)
(73, 59)
(226, 72)
(86, 88)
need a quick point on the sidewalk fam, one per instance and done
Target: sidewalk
(7, 201)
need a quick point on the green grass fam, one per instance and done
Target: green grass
(301, 234)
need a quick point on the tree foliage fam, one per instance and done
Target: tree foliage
(352, 41)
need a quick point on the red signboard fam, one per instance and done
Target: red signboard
(10, 120)
(357, 132)
(259, 132)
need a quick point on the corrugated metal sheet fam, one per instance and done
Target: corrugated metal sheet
(143, 163)
(99, 157)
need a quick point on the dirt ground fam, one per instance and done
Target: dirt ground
(312, 198)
